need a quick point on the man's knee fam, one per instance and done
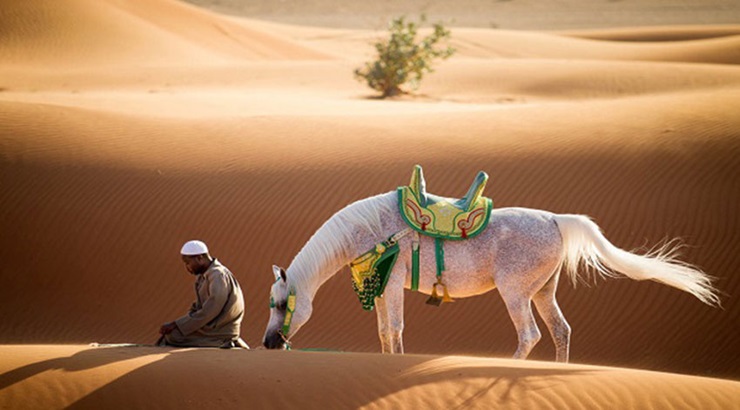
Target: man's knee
(175, 338)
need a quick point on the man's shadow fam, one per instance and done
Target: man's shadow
(89, 358)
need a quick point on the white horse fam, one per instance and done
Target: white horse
(521, 253)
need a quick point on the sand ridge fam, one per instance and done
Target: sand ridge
(173, 122)
(107, 376)
(531, 15)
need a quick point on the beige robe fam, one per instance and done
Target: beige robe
(216, 315)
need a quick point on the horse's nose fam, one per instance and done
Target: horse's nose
(273, 341)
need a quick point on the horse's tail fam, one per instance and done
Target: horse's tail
(584, 243)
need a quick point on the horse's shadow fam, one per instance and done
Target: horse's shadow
(503, 379)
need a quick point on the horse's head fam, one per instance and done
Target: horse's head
(288, 311)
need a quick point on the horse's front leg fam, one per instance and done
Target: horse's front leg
(383, 329)
(390, 312)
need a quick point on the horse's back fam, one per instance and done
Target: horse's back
(526, 244)
(516, 242)
(521, 223)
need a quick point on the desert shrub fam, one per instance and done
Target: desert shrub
(401, 59)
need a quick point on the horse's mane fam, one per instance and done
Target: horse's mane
(332, 244)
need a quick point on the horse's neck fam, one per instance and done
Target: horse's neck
(345, 236)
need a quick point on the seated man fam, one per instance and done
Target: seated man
(215, 317)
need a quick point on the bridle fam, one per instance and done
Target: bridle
(289, 311)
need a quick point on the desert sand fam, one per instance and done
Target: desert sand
(129, 127)
(79, 377)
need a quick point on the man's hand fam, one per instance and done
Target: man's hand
(167, 328)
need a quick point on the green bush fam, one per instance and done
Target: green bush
(401, 59)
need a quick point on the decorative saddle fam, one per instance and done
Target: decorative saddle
(444, 218)
(426, 214)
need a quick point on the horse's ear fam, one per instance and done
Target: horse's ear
(279, 273)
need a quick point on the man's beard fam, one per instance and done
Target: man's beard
(199, 270)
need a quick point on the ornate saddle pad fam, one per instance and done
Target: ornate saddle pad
(432, 215)
(445, 218)
(371, 270)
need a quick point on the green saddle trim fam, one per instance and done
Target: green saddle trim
(439, 254)
(444, 219)
(415, 262)
(371, 270)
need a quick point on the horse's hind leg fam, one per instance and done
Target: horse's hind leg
(547, 307)
(520, 311)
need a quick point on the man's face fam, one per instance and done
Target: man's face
(196, 264)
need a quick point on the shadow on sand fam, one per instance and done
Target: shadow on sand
(270, 379)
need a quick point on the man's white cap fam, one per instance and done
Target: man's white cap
(194, 248)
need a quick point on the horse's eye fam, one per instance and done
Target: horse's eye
(282, 305)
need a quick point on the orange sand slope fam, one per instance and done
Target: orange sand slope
(80, 377)
(80, 32)
(129, 127)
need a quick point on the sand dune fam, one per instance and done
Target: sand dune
(658, 33)
(516, 14)
(695, 44)
(84, 377)
(79, 33)
(499, 43)
(128, 127)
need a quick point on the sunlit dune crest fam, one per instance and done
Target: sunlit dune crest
(130, 126)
